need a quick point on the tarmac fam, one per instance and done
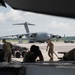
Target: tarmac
(58, 47)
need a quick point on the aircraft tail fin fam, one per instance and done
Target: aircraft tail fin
(25, 25)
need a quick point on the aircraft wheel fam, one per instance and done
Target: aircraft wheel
(17, 55)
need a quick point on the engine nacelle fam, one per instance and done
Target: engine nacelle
(19, 36)
(31, 36)
(55, 36)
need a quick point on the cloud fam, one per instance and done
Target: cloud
(15, 15)
(60, 25)
(43, 22)
(2, 17)
(12, 15)
(61, 28)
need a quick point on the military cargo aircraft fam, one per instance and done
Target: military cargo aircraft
(40, 37)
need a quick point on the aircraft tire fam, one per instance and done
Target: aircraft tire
(17, 55)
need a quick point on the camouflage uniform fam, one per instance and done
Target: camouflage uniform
(7, 51)
(50, 51)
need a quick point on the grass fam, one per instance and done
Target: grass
(10, 40)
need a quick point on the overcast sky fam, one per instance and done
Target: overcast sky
(44, 23)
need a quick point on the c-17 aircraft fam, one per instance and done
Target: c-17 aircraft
(40, 37)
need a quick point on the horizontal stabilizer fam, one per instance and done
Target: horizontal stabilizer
(19, 24)
(24, 24)
(31, 24)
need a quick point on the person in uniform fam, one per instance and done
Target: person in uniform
(33, 54)
(50, 45)
(7, 46)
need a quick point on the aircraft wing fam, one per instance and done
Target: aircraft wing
(13, 35)
(65, 8)
(21, 35)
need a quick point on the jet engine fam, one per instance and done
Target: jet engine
(31, 36)
(20, 36)
(55, 36)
